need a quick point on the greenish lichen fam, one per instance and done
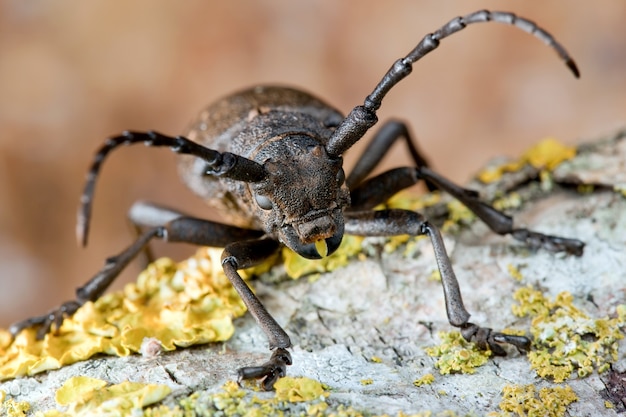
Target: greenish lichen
(566, 339)
(11, 408)
(457, 355)
(426, 379)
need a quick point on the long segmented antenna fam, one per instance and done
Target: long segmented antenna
(220, 164)
(361, 118)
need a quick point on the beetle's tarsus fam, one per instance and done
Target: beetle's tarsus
(45, 322)
(270, 371)
(485, 338)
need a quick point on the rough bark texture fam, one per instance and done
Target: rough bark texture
(385, 306)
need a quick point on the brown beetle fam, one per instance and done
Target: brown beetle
(271, 159)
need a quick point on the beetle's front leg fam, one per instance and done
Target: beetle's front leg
(179, 229)
(399, 222)
(243, 255)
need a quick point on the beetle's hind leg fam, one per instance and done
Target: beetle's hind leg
(374, 191)
(398, 222)
(500, 222)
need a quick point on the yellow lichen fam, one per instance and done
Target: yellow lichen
(12, 408)
(514, 272)
(233, 401)
(298, 389)
(455, 354)
(367, 381)
(513, 200)
(427, 379)
(84, 396)
(566, 339)
(546, 155)
(296, 266)
(525, 401)
(180, 304)
(458, 215)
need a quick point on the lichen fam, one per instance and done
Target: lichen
(566, 339)
(514, 272)
(457, 355)
(545, 156)
(298, 389)
(296, 266)
(426, 379)
(293, 397)
(83, 396)
(11, 408)
(525, 401)
(180, 304)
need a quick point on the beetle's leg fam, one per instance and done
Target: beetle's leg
(182, 229)
(378, 148)
(241, 255)
(143, 215)
(399, 222)
(362, 118)
(500, 222)
(378, 189)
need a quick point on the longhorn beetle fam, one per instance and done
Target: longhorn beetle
(271, 158)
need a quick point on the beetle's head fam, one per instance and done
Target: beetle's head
(302, 197)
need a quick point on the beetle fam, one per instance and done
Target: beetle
(270, 158)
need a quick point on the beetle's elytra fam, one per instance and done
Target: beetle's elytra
(271, 159)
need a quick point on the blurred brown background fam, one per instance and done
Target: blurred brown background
(73, 73)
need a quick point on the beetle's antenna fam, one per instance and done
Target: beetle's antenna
(220, 164)
(361, 118)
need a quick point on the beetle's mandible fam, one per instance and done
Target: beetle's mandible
(271, 159)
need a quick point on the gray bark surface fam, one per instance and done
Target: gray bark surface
(386, 306)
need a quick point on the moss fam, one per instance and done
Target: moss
(457, 355)
(566, 339)
(525, 401)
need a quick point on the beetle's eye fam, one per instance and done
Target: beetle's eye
(264, 202)
(341, 177)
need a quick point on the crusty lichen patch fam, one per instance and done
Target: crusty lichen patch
(180, 304)
(11, 408)
(296, 266)
(566, 339)
(456, 355)
(526, 401)
(83, 396)
(546, 155)
(293, 397)
(426, 379)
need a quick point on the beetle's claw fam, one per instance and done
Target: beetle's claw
(45, 322)
(270, 371)
(485, 338)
